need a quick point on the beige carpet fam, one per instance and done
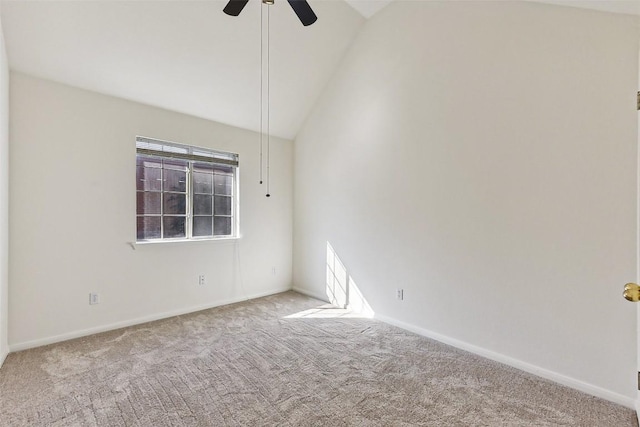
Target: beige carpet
(253, 364)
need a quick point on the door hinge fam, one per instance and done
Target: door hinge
(638, 380)
(638, 101)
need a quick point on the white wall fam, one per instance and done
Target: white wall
(482, 156)
(72, 212)
(4, 199)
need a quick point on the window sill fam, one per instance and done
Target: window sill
(222, 240)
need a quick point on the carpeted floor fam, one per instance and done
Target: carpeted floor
(283, 360)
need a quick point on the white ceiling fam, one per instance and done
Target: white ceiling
(185, 56)
(631, 7)
(188, 56)
(368, 8)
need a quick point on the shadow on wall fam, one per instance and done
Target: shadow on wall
(341, 289)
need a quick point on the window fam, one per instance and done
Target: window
(184, 192)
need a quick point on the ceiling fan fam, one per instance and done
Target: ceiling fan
(300, 7)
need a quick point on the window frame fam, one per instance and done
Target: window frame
(203, 156)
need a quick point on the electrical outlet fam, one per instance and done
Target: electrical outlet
(94, 298)
(273, 271)
(202, 280)
(400, 294)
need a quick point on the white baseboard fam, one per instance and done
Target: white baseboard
(123, 324)
(310, 294)
(518, 364)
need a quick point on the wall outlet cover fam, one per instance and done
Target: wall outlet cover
(94, 298)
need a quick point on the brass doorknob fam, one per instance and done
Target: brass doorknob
(631, 292)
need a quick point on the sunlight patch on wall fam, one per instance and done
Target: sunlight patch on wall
(337, 285)
(346, 299)
(341, 289)
(357, 303)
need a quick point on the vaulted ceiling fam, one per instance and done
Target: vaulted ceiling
(185, 56)
(190, 57)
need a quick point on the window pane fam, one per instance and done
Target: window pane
(222, 205)
(202, 204)
(176, 164)
(202, 226)
(148, 203)
(203, 167)
(149, 179)
(175, 180)
(223, 184)
(174, 226)
(221, 226)
(175, 203)
(224, 170)
(148, 227)
(148, 162)
(202, 183)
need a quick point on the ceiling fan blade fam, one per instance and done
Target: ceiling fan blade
(304, 12)
(234, 7)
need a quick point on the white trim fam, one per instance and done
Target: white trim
(519, 364)
(163, 242)
(310, 294)
(123, 324)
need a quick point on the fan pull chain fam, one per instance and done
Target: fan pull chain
(268, 102)
(261, 90)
